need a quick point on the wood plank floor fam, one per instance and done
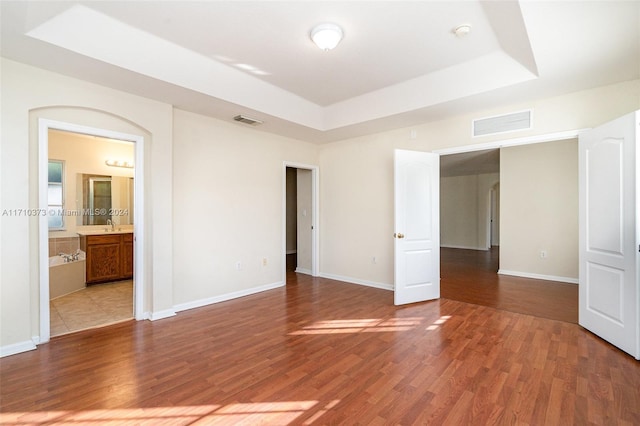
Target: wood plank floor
(471, 276)
(323, 352)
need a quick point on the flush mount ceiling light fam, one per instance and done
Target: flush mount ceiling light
(326, 36)
(462, 30)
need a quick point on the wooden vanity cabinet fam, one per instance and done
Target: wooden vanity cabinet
(109, 257)
(127, 255)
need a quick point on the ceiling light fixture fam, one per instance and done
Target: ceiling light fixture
(462, 30)
(326, 36)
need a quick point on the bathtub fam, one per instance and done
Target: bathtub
(65, 278)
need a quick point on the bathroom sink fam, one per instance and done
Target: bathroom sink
(104, 231)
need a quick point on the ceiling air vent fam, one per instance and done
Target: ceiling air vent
(502, 123)
(247, 120)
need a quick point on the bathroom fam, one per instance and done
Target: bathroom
(90, 215)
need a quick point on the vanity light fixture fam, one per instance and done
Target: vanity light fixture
(118, 163)
(326, 36)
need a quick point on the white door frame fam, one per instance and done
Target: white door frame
(315, 239)
(44, 125)
(504, 143)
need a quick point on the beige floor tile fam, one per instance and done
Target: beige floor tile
(58, 326)
(92, 307)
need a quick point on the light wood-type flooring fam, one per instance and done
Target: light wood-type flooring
(320, 352)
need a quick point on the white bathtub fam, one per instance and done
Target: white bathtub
(65, 278)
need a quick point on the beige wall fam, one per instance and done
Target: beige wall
(227, 207)
(221, 181)
(539, 210)
(214, 190)
(356, 210)
(464, 210)
(30, 93)
(356, 188)
(87, 155)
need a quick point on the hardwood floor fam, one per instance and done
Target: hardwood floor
(323, 352)
(471, 276)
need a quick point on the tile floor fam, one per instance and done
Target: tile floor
(94, 306)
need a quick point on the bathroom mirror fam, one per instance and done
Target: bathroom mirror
(105, 198)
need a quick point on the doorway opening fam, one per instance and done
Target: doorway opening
(524, 237)
(118, 214)
(469, 200)
(91, 241)
(300, 227)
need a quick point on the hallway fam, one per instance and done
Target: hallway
(471, 276)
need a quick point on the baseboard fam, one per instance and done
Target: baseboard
(538, 276)
(167, 313)
(463, 247)
(17, 348)
(144, 316)
(358, 281)
(303, 271)
(224, 297)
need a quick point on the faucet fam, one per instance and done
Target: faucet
(70, 257)
(113, 225)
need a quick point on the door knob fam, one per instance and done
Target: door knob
(398, 235)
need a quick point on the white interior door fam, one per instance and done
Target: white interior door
(417, 226)
(609, 288)
(304, 212)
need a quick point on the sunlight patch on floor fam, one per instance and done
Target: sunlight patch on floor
(359, 326)
(238, 413)
(437, 323)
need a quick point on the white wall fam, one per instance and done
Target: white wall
(464, 210)
(357, 174)
(539, 210)
(30, 93)
(228, 207)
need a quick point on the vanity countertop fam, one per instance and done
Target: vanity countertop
(84, 233)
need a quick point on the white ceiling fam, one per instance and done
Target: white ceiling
(470, 163)
(399, 64)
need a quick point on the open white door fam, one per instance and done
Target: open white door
(417, 226)
(609, 287)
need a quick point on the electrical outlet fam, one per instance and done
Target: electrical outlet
(239, 266)
(264, 261)
(543, 254)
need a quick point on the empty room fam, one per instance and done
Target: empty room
(264, 226)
